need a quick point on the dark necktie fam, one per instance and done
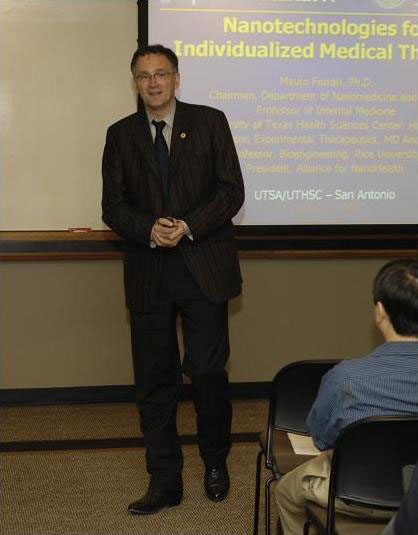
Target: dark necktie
(161, 152)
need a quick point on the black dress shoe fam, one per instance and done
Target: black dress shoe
(217, 483)
(154, 500)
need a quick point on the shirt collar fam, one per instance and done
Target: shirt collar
(397, 348)
(168, 119)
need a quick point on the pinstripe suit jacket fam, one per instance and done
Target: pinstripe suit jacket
(206, 191)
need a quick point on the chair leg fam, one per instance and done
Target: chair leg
(257, 492)
(267, 504)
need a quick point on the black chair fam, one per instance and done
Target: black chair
(293, 391)
(366, 470)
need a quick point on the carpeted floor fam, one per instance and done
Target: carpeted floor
(86, 491)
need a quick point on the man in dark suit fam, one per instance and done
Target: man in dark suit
(171, 184)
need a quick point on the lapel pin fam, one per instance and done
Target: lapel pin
(183, 135)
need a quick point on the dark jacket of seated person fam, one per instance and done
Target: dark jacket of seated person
(405, 522)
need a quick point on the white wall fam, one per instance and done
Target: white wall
(65, 77)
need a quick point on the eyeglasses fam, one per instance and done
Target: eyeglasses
(158, 76)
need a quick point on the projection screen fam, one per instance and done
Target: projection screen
(321, 97)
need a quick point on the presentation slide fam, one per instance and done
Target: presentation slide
(321, 97)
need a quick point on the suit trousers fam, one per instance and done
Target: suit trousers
(158, 372)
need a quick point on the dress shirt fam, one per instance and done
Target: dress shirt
(381, 384)
(168, 128)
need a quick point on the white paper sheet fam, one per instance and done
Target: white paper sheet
(303, 445)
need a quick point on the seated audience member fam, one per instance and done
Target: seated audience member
(382, 383)
(405, 522)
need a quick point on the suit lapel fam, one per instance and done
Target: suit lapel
(180, 137)
(143, 139)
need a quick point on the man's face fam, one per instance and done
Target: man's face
(156, 82)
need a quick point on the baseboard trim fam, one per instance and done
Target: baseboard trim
(103, 443)
(111, 394)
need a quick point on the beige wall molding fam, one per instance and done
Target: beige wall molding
(106, 245)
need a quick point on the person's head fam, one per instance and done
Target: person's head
(395, 295)
(156, 76)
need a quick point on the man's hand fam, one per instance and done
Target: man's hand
(167, 231)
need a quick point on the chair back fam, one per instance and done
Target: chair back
(367, 462)
(294, 389)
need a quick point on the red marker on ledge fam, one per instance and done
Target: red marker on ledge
(80, 230)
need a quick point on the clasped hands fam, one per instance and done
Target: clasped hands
(167, 231)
